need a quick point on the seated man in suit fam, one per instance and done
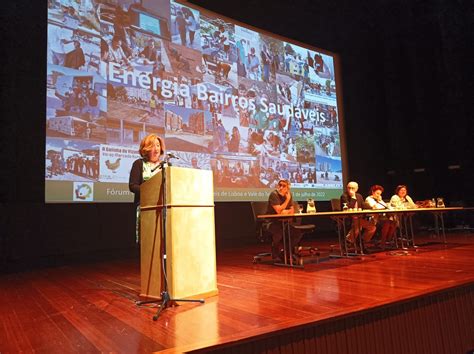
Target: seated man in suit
(354, 200)
(280, 201)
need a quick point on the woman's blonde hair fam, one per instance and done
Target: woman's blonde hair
(148, 143)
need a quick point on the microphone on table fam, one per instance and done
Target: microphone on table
(384, 205)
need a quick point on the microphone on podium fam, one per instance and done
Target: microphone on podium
(160, 165)
(169, 155)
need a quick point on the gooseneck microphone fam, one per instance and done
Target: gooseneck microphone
(169, 155)
(378, 202)
(160, 165)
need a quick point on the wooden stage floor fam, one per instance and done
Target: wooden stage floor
(91, 307)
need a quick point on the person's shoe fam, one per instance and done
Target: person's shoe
(295, 259)
(278, 257)
(278, 260)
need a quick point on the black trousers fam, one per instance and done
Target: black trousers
(276, 231)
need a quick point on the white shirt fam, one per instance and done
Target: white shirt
(149, 170)
(400, 203)
(376, 204)
(191, 24)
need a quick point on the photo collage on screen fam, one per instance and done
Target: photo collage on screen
(250, 107)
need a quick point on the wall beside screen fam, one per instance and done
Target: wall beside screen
(248, 105)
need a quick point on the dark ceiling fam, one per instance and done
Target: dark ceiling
(407, 78)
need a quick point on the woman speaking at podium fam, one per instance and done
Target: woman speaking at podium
(152, 149)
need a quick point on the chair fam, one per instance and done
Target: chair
(263, 235)
(261, 229)
(336, 206)
(344, 243)
(303, 252)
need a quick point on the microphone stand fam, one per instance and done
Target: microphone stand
(166, 300)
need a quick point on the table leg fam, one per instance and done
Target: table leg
(442, 226)
(283, 227)
(410, 219)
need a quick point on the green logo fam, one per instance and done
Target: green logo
(83, 191)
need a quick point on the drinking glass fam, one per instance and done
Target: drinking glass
(440, 202)
(300, 208)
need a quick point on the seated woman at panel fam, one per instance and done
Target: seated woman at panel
(387, 224)
(151, 150)
(401, 199)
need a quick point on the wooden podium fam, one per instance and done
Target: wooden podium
(190, 234)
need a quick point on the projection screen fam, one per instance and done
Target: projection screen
(249, 105)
